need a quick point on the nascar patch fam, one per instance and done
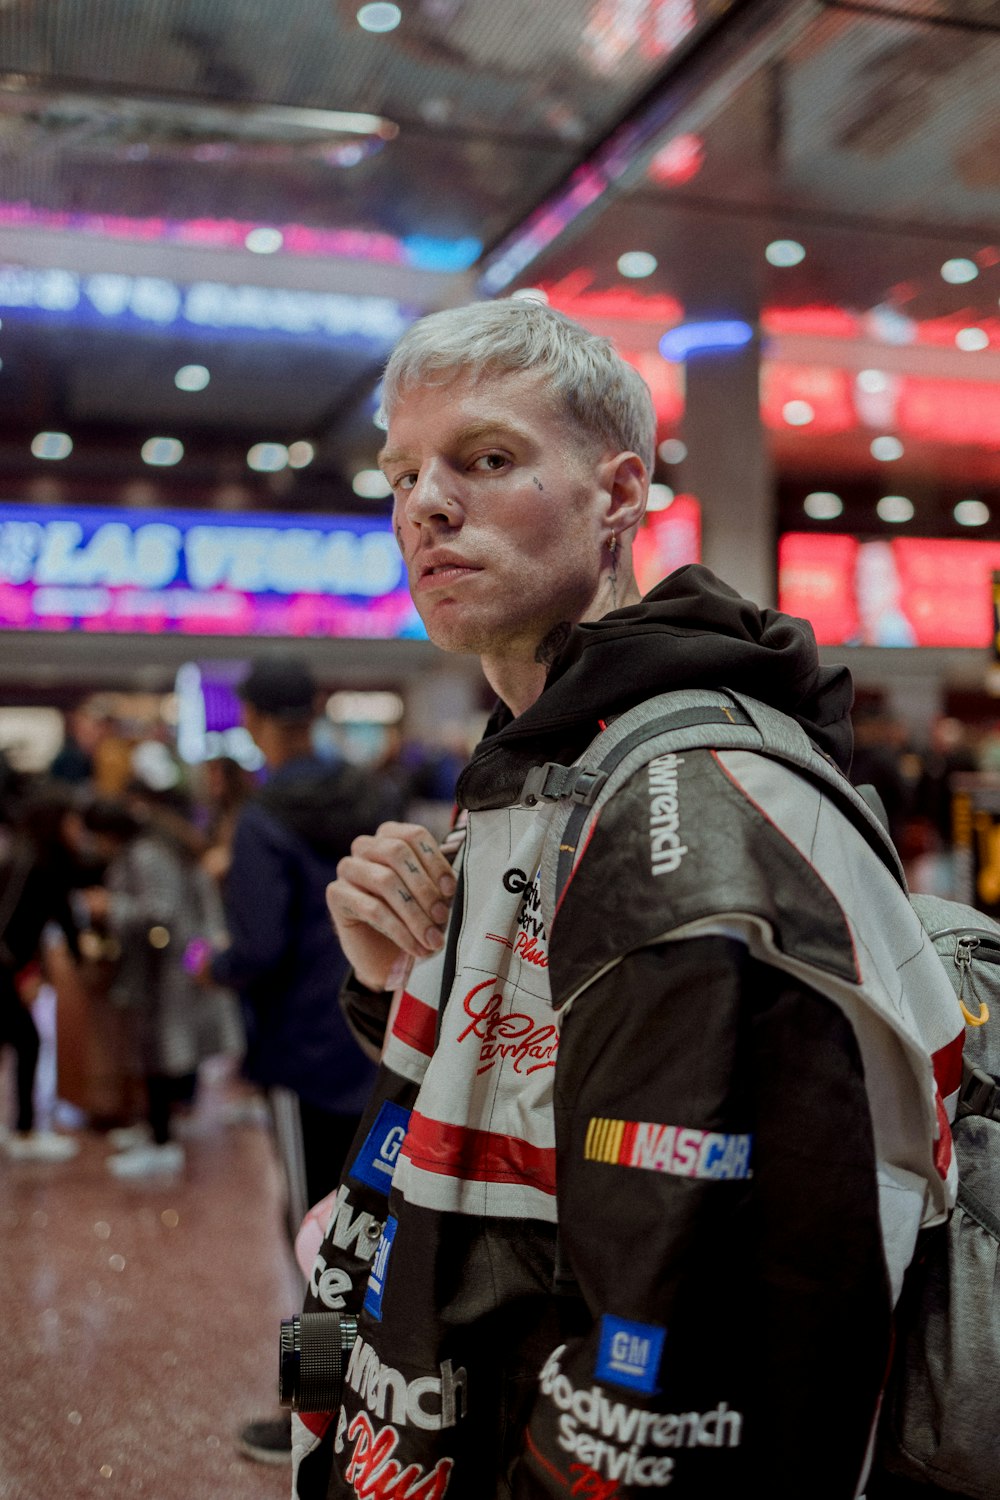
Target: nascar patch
(677, 1149)
(629, 1354)
(376, 1161)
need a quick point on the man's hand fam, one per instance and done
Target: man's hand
(390, 901)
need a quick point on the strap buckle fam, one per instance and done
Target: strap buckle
(555, 783)
(979, 1094)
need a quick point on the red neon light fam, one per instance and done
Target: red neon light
(667, 540)
(897, 591)
(678, 161)
(820, 321)
(827, 390)
(572, 296)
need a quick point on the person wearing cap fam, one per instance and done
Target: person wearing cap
(284, 959)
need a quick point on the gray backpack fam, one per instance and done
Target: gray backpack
(940, 1423)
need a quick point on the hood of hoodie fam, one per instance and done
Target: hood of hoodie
(691, 631)
(327, 804)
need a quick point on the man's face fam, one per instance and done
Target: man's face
(497, 508)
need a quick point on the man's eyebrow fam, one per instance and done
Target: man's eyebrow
(474, 433)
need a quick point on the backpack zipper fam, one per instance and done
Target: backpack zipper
(969, 942)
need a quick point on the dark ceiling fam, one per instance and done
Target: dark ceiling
(140, 144)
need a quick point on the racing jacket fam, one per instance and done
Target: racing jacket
(632, 1201)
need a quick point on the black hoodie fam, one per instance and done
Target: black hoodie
(692, 630)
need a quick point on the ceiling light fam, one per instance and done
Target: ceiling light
(959, 270)
(162, 452)
(192, 378)
(359, 707)
(672, 451)
(371, 484)
(891, 326)
(886, 449)
(300, 454)
(637, 263)
(268, 458)
(971, 513)
(823, 505)
(379, 16)
(264, 241)
(797, 413)
(785, 253)
(51, 445)
(972, 339)
(873, 382)
(895, 508)
(661, 497)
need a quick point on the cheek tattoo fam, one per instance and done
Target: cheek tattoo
(537, 482)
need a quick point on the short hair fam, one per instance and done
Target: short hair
(600, 391)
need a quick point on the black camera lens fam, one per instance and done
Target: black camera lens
(312, 1358)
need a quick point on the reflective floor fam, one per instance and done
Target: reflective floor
(140, 1320)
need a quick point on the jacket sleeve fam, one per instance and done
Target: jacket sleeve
(258, 899)
(718, 1210)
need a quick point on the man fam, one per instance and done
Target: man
(284, 958)
(611, 1224)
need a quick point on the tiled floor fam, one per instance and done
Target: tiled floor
(139, 1323)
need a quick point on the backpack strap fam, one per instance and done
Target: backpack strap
(688, 719)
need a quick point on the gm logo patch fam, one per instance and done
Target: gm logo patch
(376, 1161)
(380, 1265)
(629, 1354)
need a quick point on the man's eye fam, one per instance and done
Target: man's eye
(491, 462)
(404, 481)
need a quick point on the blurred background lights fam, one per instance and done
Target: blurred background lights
(264, 241)
(885, 449)
(823, 505)
(371, 484)
(268, 458)
(162, 452)
(971, 513)
(959, 270)
(785, 253)
(300, 454)
(531, 294)
(379, 16)
(891, 326)
(972, 339)
(637, 263)
(895, 508)
(192, 378)
(661, 497)
(361, 707)
(691, 338)
(51, 445)
(797, 413)
(678, 161)
(873, 382)
(672, 451)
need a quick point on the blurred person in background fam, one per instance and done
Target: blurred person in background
(283, 957)
(166, 915)
(41, 870)
(226, 786)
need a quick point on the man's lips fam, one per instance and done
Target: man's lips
(444, 571)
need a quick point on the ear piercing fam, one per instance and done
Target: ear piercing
(613, 543)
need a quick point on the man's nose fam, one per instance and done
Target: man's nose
(433, 497)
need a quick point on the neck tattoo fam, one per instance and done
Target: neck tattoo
(552, 643)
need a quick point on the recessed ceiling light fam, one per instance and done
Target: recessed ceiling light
(379, 16)
(672, 451)
(895, 508)
(872, 382)
(959, 270)
(162, 452)
(972, 339)
(785, 253)
(823, 505)
(192, 378)
(661, 497)
(371, 484)
(51, 445)
(891, 326)
(268, 458)
(798, 413)
(971, 513)
(264, 241)
(300, 454)
(637, 263)
(886, 449)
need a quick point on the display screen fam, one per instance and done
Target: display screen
(199, 573)
(889, 591)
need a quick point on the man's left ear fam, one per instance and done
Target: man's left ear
(626, 485)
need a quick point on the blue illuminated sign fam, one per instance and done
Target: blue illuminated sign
(677, 344)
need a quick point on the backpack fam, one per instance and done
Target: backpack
(939, 1423)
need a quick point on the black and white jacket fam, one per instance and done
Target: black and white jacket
(632, 1203)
